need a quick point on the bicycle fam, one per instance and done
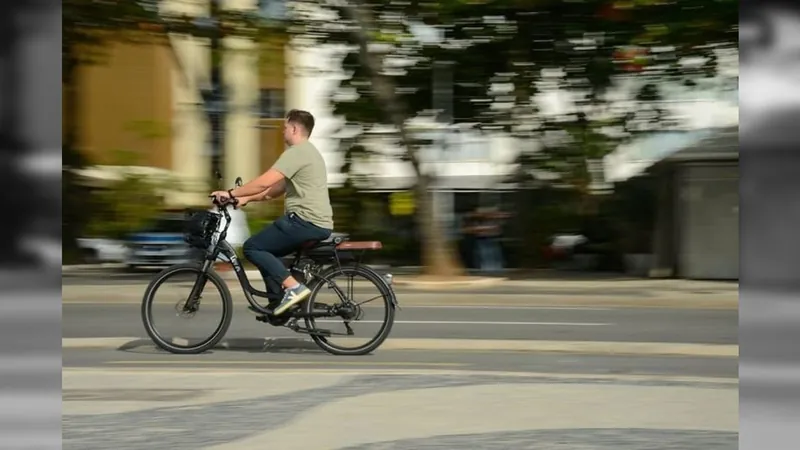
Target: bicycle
(316, 263)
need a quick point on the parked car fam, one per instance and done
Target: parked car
(561, 247)
(159, 245)
(162, 244)
(101, 250)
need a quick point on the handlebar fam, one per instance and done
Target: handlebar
(223, 208)
(217, 203)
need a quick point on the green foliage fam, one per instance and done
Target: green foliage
(347, 205)
(531, 46)
(89, 27)
(124, 207)
(503, 54)
(74, 212)
(539, 214)
(634, 209)
(260, 215)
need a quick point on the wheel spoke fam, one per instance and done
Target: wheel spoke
(212, 314)
(350, 283)
(349, 312)
(370, 300)
(332, 284)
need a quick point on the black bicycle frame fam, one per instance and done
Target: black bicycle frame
(223, 247)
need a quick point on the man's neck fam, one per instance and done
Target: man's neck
(299, 141)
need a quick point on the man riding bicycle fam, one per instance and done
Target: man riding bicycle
(301, 174)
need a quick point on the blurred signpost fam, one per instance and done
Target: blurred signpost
(443, 104)
(401, 203)
(214, 98)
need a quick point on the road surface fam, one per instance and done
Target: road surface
(268, 386)
(457, 322)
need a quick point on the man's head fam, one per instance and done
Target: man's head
(298, 126)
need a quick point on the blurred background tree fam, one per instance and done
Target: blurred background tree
(89, 28)
(610, 58)
(128, 204)
(502, 54)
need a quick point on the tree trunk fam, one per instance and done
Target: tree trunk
(439, 257)
(74, 217)
(69, 119)
(438, 254)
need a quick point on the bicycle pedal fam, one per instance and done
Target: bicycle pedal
(262, 318)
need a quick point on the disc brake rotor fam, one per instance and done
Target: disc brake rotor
(184, 312)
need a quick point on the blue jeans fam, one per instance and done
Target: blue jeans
(283, 237)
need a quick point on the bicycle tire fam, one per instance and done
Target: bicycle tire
(219, 333)
(388, 323)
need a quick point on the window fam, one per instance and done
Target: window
(272, 104)
(273, 9)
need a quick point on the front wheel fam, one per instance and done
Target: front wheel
(358, 300)
(181, 294)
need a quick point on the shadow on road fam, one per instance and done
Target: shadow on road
(245, 345)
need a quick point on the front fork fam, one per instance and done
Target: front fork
(193, 303)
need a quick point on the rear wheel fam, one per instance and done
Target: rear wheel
(353, 294)
(168, 297)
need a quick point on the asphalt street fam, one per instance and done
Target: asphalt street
(123, 279)
(303, 355)
(443, 322)
(131, 394)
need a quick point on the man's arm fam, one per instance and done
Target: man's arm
(286, 166)
(259, 185)
(251, 198)
(274, 191)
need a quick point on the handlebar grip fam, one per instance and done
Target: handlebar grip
(231, 201)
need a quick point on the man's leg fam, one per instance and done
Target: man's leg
(265, 249)
(284, 236)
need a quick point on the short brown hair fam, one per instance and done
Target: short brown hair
(303, 118)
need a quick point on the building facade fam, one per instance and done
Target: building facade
(145, 101)
(696, 233)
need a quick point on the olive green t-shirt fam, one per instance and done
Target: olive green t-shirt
(306, 184)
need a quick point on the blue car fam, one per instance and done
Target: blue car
(160, 245)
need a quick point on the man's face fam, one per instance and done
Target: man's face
(289, 130)
(292, 132)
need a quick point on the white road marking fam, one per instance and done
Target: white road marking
(504, 307)
(574, 347)
(469, 322)
(402, 306)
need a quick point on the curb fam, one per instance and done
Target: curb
(413, 282)
(254, 275)
(458, 345)
(216, 372)
(475, 282)
(399, 281)
(80, 267)
(116, 295)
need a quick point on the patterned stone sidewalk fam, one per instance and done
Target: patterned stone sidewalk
(229, 410)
